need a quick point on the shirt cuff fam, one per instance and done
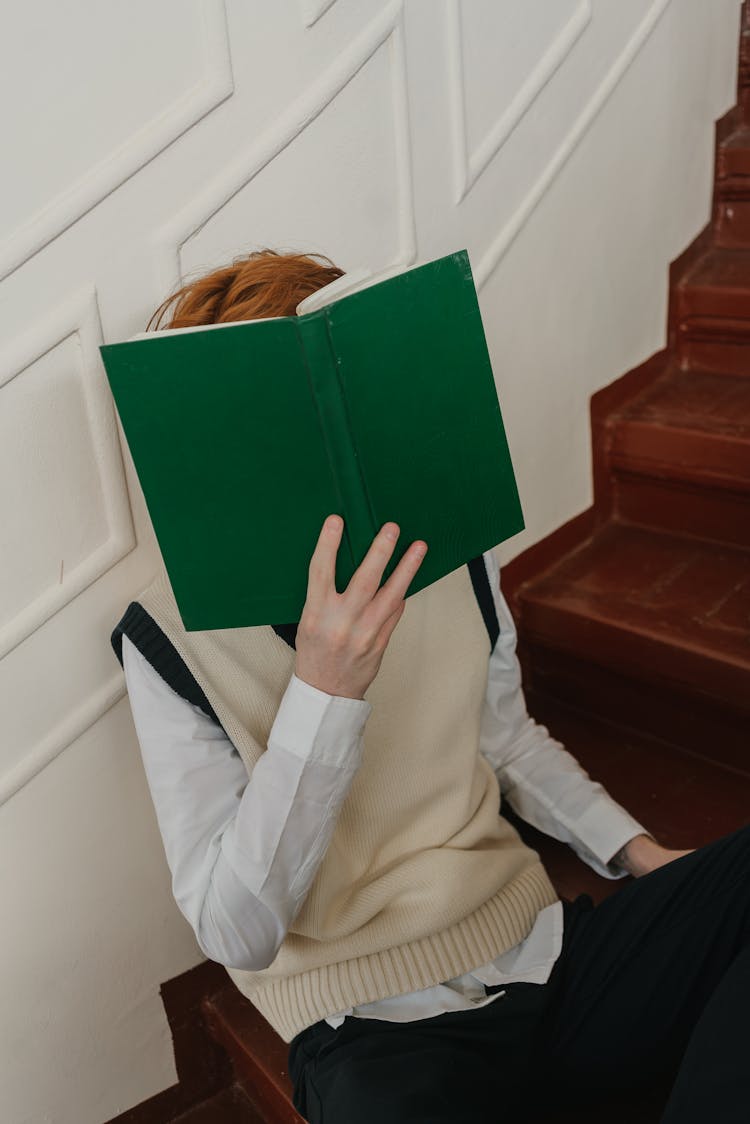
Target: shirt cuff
(602, 830)
(317, 726)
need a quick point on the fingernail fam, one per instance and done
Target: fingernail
(333, 522)
(391, 530)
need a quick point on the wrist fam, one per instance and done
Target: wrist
(632, 856)
(333, 690)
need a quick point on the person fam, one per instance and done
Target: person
(330, 797)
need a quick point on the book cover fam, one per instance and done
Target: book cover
(379, 405)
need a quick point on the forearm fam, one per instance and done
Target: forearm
(290, 807)
(548, 788)
(243, 851)
(538, 777)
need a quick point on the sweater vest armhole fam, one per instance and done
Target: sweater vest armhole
(140, 627)
(483, 592)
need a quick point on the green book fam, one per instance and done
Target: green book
(376, 401)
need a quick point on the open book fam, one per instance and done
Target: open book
(376, 401)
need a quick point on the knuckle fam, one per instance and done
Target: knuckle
(391, 604)
(307, 628)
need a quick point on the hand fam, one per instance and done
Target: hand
(642, 854)
(341, 637)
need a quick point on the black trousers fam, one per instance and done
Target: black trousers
(652, 986)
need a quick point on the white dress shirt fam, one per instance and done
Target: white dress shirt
(243, 852)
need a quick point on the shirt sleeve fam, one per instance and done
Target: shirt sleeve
(243, 850)
(543, 783)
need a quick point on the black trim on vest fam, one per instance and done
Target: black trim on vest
(140, 627)
(288, 633)
(481, 582)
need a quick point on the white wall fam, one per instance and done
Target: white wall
(567, 144)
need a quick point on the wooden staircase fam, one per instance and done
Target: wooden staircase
(639, 610)
(634, 618)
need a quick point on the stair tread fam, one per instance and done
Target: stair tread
(686, 594)
(683, 799)
(739, 138)
(703, 401)
(229, 1106)
(733, 164)
(720, 266)
(690, 426)
(260, 1056)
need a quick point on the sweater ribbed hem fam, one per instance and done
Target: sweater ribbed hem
(294, 1002)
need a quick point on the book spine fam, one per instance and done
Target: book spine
(322, 365)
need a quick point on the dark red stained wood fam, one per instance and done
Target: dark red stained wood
(231, 1106)
(716, 292)
(713, 348)
(648, 604)
(203, 1068)
(732, 220)
(682, 508)
(683, 800)
(693, 722)
(689, 425)
(258, 1053)
(734, 157)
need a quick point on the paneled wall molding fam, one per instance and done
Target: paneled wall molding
(468, 166)
(78, 317)
(502, 241)
(387, 27)
(213, 88)
(73, 726)
(312, 10)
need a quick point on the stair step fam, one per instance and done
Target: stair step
(731, 201)
(683, 800)
(733, 156)
(679, 456)
(259, 1055)
(711, 306)
(682, 508)
(688, 424)
(718, 287)
(666, 613)
(230, 1106)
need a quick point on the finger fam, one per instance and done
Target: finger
(321, 573)
(394, 590)
(388, 626)
(366, 578)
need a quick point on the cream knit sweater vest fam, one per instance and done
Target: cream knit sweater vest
(423, 880)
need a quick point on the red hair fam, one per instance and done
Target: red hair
(259, 284)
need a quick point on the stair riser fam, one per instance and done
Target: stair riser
(713, 459)
(698, 347)
(709, 513)
(687, 720)
(732, 167)
(732, 223)
(640, 653)
(699, 304)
